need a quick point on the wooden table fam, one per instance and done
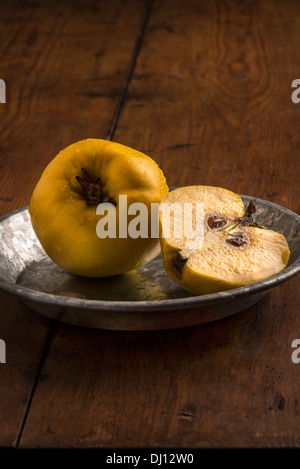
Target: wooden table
(203, 87)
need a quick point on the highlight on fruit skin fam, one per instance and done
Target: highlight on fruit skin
(234, 252)
(64, 202)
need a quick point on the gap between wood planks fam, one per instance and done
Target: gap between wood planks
(114, 124)
(36, 380)
(132, 65)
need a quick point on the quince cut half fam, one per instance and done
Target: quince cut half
(63, 207)
(231, 251)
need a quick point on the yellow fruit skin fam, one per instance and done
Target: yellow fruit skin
(66, 226)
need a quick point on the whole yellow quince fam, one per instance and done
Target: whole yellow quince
(65, 202)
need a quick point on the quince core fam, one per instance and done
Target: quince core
(234, 251)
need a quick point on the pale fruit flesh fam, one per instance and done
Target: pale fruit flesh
(231, 255)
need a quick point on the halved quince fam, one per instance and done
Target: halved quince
(64, 202)
(232, 251)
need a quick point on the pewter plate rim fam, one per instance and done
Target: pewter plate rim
(157, 305)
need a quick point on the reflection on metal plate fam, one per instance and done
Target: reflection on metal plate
(143, 299)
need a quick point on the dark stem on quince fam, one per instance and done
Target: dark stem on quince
(179, 262)
(247, 219)
(92, 189)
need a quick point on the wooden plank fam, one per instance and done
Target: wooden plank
(229, 383)
(210, 101)
(210, 98)
(65, 68)
(25, 334)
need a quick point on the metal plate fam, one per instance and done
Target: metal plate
(143, 299)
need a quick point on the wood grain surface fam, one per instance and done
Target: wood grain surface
(66, 67)
(205, 89)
